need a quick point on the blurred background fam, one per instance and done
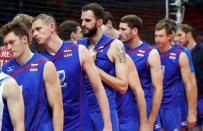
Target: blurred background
(151, 11)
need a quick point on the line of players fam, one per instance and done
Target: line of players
(157, 76)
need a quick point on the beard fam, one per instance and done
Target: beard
(90, 32)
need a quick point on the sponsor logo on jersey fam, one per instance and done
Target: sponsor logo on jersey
(10, 68)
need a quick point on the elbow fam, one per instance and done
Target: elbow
(123, 89)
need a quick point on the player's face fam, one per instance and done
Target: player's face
(15, 44)
(89, 23)
(125, 32)
(181, 37)
(41, 31)
(162, 39)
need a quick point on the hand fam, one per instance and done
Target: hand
(144, 127)
(150, 125)
(191, 120)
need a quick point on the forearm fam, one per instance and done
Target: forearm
(194, 86)
(156, 102)
(191, 98)
(58, 118)
(141, 106)
(114, 82)
(104, 106)
(19, 126)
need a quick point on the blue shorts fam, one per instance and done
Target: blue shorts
(200, 112)
(170, 118)
(98, 124)
(129, 125)
(157, 123)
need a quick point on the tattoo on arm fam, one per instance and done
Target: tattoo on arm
(120, 52)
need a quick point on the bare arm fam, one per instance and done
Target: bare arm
(116, 53)
(53, 91)
(191, 96)
(134, 83)
(157, 81)
(94, 78)
(14, 100)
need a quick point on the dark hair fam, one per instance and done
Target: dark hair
(133, 21)
(97, 9)
(164, 25)
(186, 28)
(16, 27)
(108, 17)
(66, 28)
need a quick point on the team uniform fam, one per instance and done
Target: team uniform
(197, 53)
(4, 113)
(104, 63)
(38, 114)
(170, 110)
(140, 56)
(71, 76)
(184, 105)
(128, 114)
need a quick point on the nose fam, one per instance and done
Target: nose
(83, 23)
(9, 46)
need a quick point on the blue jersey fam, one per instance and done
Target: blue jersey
(188, 53)
(71, 76)
(140, 56)
(172, 82)
(4, 113)
(127, 106)
(38, 114)
(104, 63)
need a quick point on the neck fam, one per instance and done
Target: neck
(191, 44)
(134, 42)
(53, 44)
(95, 39)
(166, 47)
(27, 55)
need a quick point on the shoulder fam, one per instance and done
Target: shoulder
(10, 88)
(154, 52)
(117, 43)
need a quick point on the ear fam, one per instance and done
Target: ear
(53, 27)
(99, 22)
(189, 35)
(73, 36)
(109, 24)
(24, 39)
(134, 31)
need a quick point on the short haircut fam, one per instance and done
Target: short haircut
(47, 19)
(25, 19)
(66, 28)
(171, 22)
(17, 28)
(186, 28)
(97, 9)
(133, 21)
(108, 17)
(164, 25)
